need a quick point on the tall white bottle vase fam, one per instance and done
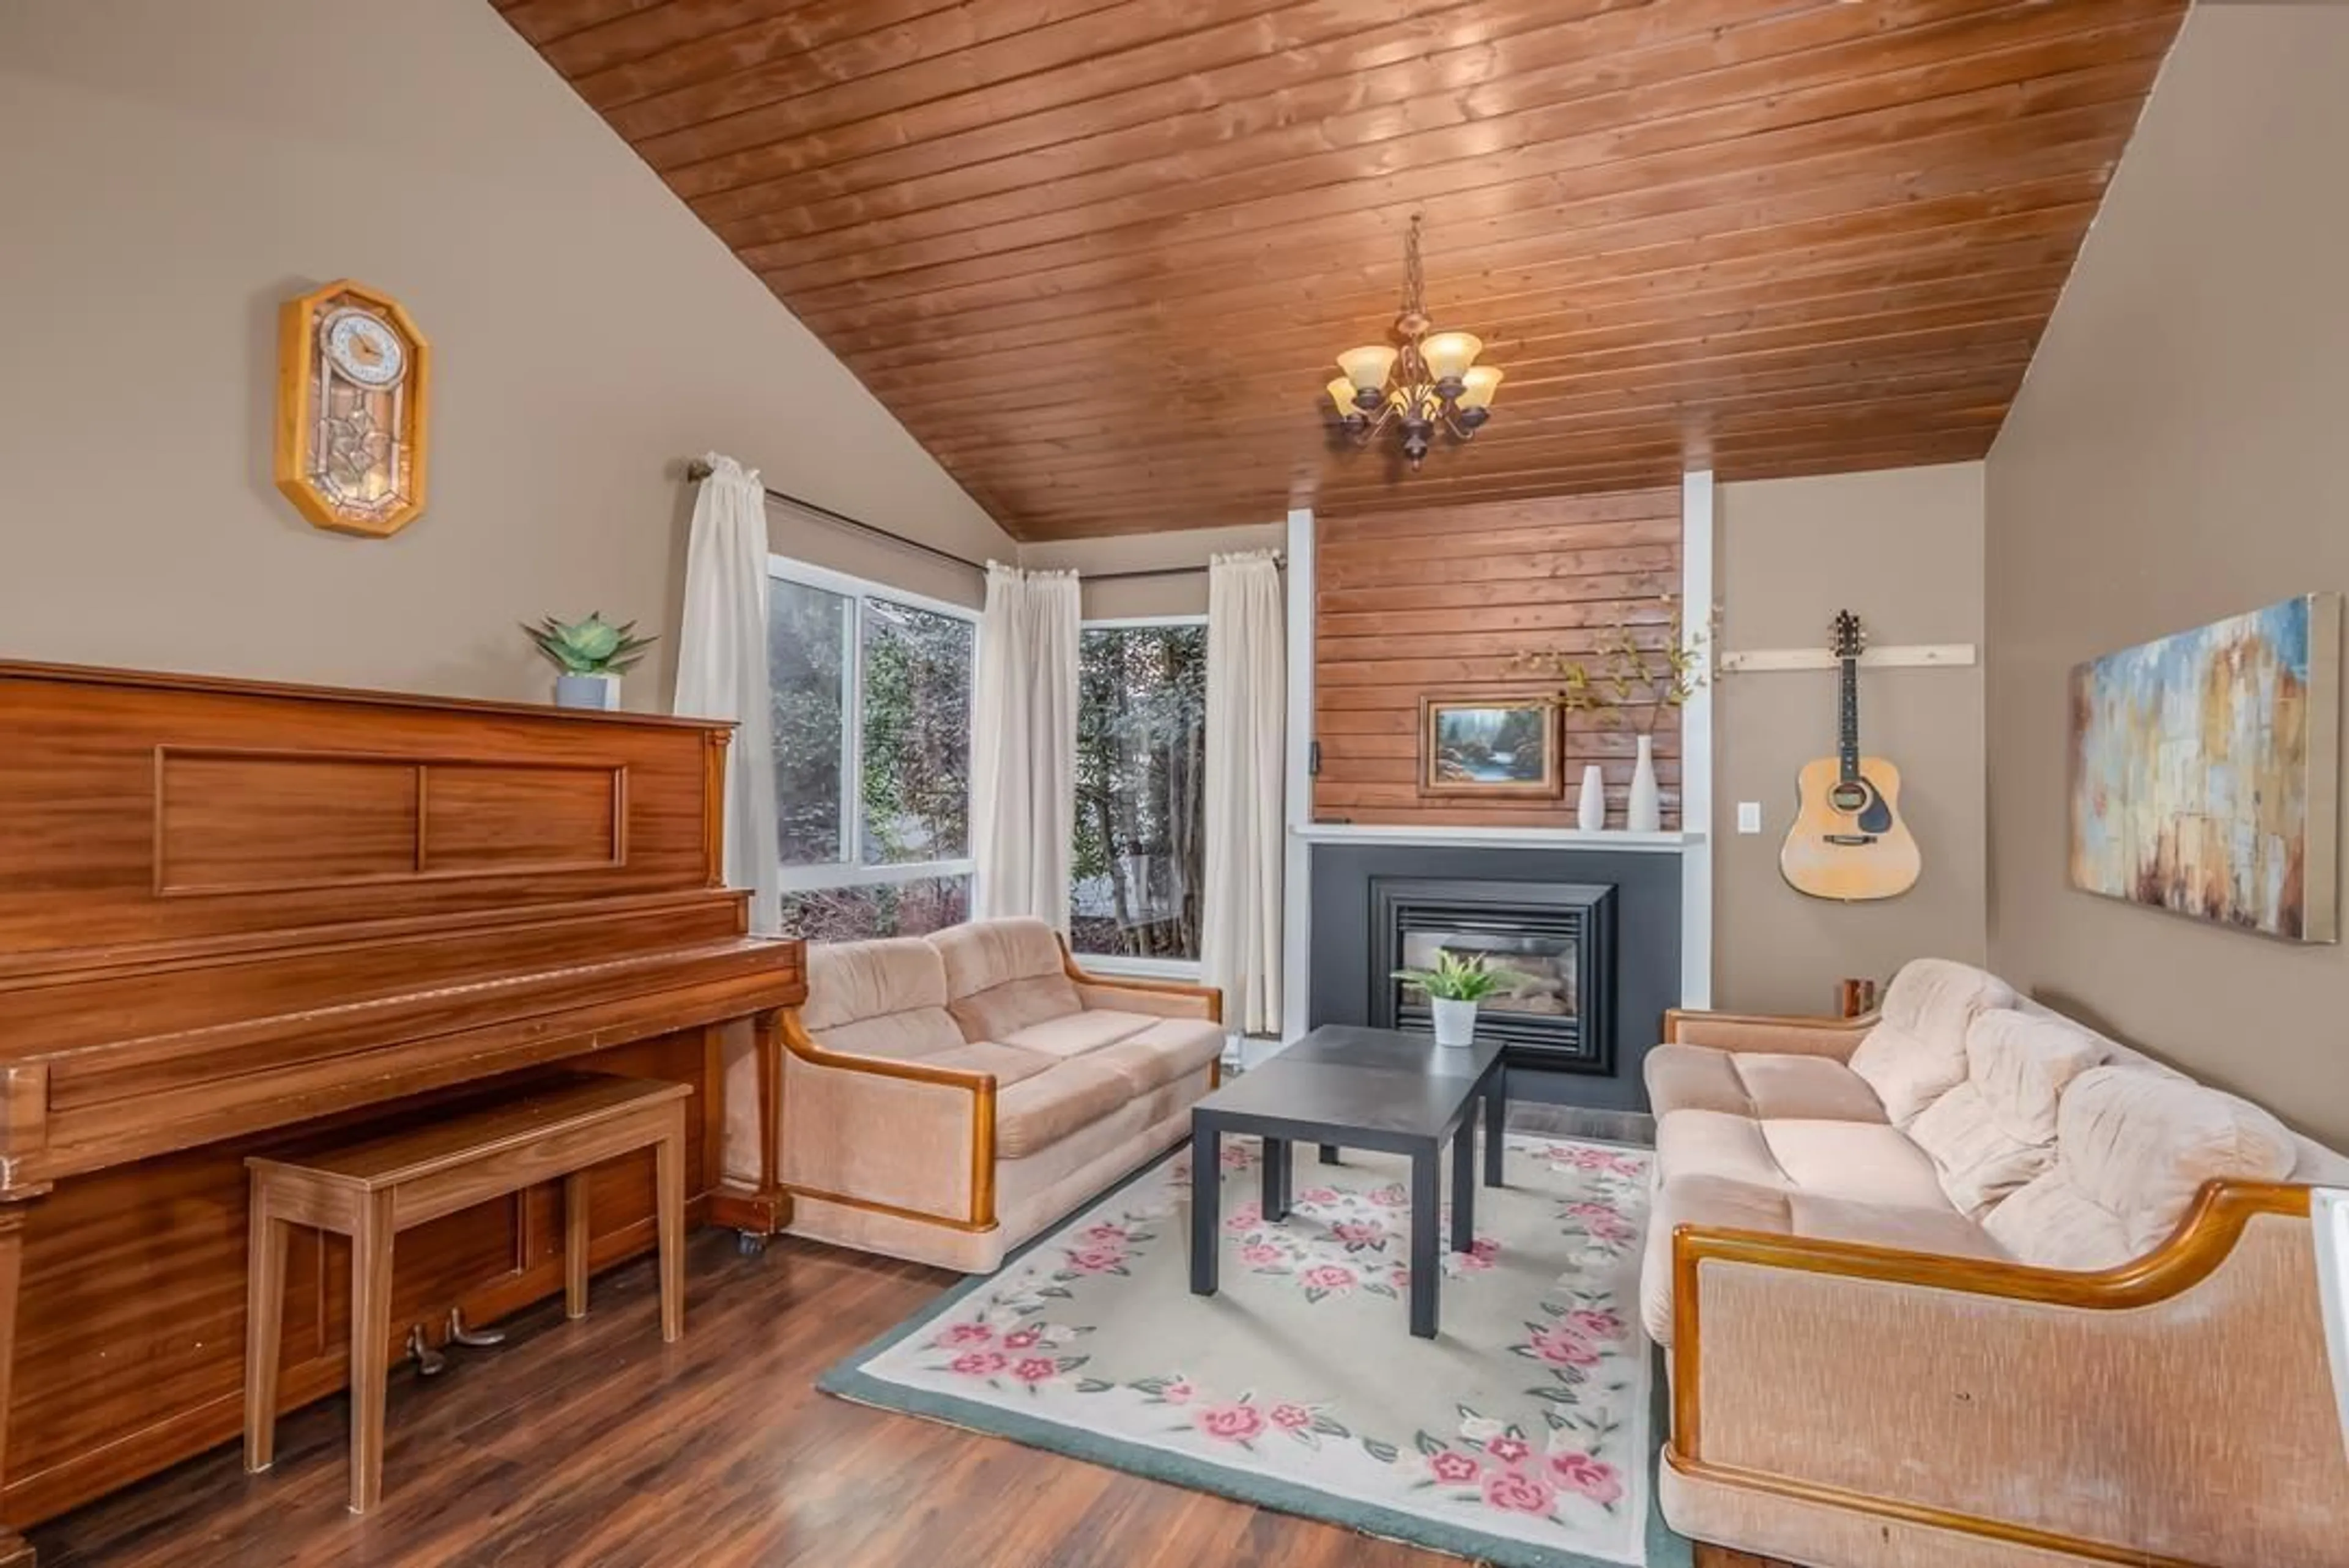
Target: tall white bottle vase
(1645, 813)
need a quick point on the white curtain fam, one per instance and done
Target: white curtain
(1023, 785)
(1247, 699)
(721, 669)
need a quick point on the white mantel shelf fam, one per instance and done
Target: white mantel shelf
(1617, 840)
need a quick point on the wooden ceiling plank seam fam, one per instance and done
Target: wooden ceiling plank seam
(544, 21)
(1110, 154)
(1142, 29)
(1526, 360)
(1928, 227)
(997, 163)
(1097, 94)
(878, 42)
(1818, 183)
(1018, 139)
(766, 33)
(661, 28)
(1579, 369)
(1971, 389)
(1366, 207)
(1608, 108)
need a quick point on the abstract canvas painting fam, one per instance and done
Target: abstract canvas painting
(2205, 770)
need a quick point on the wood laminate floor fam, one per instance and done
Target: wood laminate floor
(594, 1443)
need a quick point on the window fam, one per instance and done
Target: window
(872, 739)
(1140, 829)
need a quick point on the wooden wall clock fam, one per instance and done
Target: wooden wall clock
(353, 377)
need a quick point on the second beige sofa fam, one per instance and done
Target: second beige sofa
(1970, 1286)
(945, 1098)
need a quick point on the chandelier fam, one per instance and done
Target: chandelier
(1432, 380)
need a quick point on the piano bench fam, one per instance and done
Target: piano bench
(372, 1190)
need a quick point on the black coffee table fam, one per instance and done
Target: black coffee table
(1345, 1087)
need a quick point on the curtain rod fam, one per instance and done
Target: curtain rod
(697, 470)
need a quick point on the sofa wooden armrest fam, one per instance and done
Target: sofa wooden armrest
(2174, 1410)
(937, 1124)
(1166, 998)
(1789, 1035)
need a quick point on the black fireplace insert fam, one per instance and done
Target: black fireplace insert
(1556, 939)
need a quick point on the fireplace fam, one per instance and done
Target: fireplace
(1557, 938)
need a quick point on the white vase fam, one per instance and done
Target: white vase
(1645, 813)
(1590, 805)
(1455, 1022)
(601, 693)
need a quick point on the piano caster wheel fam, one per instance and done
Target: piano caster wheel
(750, 1244)
(430, 1363)
(475, 1338)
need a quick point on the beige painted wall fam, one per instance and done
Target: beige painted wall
(1902, 548)
(1182, 596)
(2177, 455)
(170, 171)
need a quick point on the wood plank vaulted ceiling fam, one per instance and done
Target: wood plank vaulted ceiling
(1097, 254)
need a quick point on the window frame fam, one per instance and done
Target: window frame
(1120, 964)
(850, 870)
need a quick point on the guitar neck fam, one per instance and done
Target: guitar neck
(1848, 740)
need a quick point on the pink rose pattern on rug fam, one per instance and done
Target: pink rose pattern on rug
(1548, 1469)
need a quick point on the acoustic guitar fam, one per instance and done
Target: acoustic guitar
(1848, 840)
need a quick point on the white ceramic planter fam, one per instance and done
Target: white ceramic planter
(1455, 1022)
(601, 693)
(1645, 813)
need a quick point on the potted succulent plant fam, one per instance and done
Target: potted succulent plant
(1454, 988)
(592, 656)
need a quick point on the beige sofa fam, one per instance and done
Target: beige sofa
(945, 1098)
(1968, 1285)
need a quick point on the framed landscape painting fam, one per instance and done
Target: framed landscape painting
(2205, 771)
(1493, 746)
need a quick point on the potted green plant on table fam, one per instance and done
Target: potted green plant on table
(1454, 988)
(591, 656)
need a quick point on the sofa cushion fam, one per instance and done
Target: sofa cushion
(1759, 1084)
(1718, 1202)
(1008, 1066)
(1997, 1130)
(1074, 1034)
(884, 998)
(1038, 1112)
(1865, 1160)
(1003, 975)
(1917, 1051)
(1169, 1049)
(2132, 1148)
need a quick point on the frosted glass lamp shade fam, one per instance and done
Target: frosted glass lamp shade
(1366, 368)
(1450, 354)
(1477, 387)
(1341, 393)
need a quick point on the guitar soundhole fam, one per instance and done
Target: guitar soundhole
(1848, 797)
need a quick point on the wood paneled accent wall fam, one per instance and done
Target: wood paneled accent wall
(1409, 605)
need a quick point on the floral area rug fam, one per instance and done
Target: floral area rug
(1524, 1435)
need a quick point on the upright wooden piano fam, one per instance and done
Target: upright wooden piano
(234, 916)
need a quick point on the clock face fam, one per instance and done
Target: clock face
(363, 349)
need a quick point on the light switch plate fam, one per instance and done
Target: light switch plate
(1749, 816)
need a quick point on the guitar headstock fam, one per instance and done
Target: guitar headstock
(1848, 638)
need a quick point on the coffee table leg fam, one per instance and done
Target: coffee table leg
(1206, 1205)
(1497, 1120)
(1328, 1154)
(1463, 1182)
(1275, 1178)
(1426, 1226)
